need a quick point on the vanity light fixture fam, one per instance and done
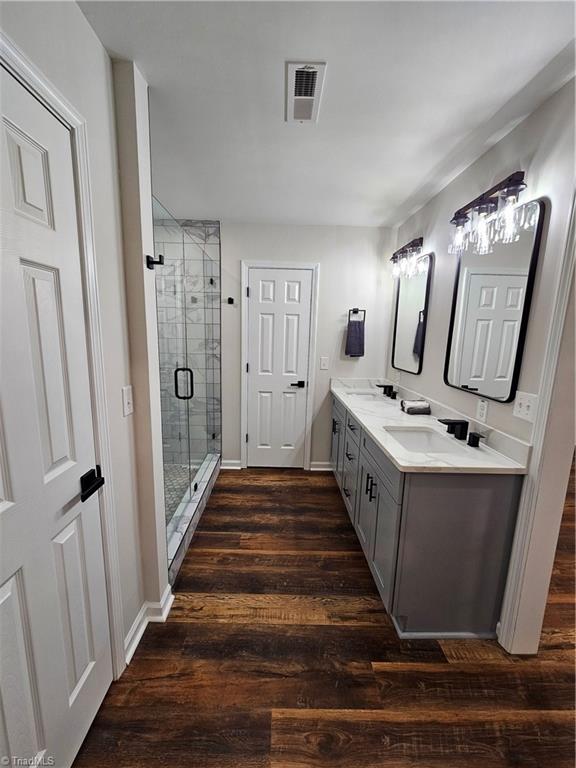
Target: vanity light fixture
(494, 216)
(408, 260)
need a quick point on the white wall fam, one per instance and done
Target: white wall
(351, 275)
(543, 147)
(83, 75)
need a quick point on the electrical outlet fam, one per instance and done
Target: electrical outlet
(525, 406)
(482, 410)
(323, 363)
(127, 400)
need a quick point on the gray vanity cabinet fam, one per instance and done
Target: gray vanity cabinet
(438, 544)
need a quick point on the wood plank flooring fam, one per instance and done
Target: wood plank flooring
(278, 654)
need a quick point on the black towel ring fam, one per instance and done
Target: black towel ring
(355, 311)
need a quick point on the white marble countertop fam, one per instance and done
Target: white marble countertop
(376, 414)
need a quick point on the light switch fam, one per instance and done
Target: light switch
(127, 400)
(323, 363)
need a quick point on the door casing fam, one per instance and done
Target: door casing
(315, 269)
(31, 78)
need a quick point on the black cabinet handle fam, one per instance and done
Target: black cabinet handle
(372, 486)
(90, 482)
(190, 395)
(335, 427)
(349, 456)
(351, 427)
(368, 481)
(346, 492)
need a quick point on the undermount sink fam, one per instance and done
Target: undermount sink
(422, 440)
(367, 396)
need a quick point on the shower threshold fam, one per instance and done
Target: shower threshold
(181, 526)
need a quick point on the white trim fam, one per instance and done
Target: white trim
(35, 82)
(529, 499)
(231, 464)
(156, 612)
(320, 466)
(310, 389)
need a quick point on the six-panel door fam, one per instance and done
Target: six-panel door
(279, 320)
(55, 658)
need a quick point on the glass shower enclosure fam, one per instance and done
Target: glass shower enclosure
(188, 300)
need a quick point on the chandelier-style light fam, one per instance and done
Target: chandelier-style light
(408, 261)
(495, 217)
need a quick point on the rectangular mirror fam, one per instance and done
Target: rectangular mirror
(490, 310)
(410, 316)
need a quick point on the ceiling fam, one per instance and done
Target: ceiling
(414, 92)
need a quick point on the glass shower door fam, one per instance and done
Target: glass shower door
(175, 376)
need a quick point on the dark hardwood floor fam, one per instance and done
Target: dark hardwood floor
(278, 654)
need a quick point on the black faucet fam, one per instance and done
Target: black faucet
(474, 439)
(387, 389)
(456, 427)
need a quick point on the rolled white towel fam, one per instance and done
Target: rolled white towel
(421, 407)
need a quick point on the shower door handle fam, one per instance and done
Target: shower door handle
(190, 380)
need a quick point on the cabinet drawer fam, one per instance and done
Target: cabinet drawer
(391, 476)
(350, 475)
(338, 409)
(352, 427)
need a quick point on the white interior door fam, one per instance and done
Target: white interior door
(279, 321)
(492, 325)
(55, 658)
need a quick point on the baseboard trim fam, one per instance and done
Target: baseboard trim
(231, 464)
(150, 611)
(320, 466)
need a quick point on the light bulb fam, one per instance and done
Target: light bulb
(483, 242)
(403, 265)
(509, 221)
(422, 265)
(395, 270)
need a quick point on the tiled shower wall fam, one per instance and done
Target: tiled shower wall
(188, 301)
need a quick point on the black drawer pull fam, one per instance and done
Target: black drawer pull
(350, 456)
(368, 481)
(372, 486)
(351, 427)
(90, 482)
(346, 493)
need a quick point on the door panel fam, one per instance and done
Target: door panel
(21, 732)
(279, 307)
(53, 615)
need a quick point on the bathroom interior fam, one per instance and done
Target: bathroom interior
(310, 271)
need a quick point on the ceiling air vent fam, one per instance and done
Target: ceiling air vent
(304, 84)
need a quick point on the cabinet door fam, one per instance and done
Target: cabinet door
(367, 508)
(336, 433)
(386, 545)
(350, 475)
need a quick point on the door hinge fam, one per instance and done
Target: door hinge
(247, 367)
(246, 436)
(247, 292)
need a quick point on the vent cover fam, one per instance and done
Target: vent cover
(304, 83)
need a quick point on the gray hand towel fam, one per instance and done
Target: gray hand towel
(355, 338)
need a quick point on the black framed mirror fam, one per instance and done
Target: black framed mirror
(490, 309)
(411, 316)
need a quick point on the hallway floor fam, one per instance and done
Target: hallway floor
(278, 654)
